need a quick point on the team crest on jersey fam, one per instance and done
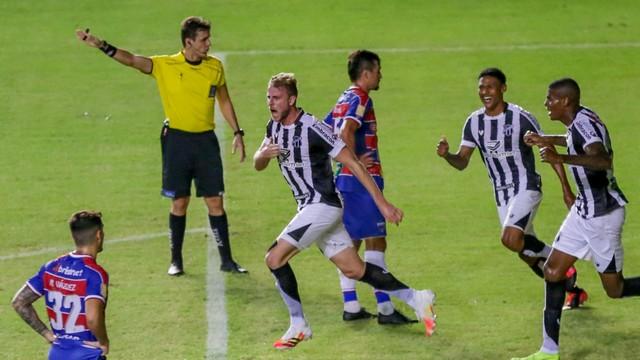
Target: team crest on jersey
(297, 141)
(508, 130)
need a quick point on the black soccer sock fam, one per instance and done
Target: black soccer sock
(380, 279)
(177, 225)
(533, 247)
(288, 286)
(554, 299)
(537, 267)
(220, 229)
(631, 287)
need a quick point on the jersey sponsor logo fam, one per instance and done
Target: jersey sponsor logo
(67, 271)
(493, 150)
(586, 133)
(325, 131)
(284, 155)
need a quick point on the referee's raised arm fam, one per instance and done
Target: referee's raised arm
(124, 57)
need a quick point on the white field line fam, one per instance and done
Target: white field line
(217, 332)
(107, 243)
(439, 49)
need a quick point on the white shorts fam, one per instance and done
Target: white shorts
(520, 211)
(598, 239)
(321, 224)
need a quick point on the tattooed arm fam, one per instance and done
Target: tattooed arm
(23, 304)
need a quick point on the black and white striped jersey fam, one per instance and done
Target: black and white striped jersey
(509, 161)
(306, 149)
(598, 191)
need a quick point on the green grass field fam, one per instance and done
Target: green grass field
(80, 131)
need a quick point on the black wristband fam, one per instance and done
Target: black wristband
(108, 49)
(239, 132)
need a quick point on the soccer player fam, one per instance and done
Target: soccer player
(74, 287)
(497, 130)
(189, 83)
(354, 121)
(304, 148)
(593, 226)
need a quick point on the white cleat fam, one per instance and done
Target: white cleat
(293, 337)
(174, 270)
(424, 300)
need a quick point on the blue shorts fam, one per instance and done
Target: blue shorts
(361, 218)
(67, 352)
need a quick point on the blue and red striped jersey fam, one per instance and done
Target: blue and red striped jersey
(66, 283)
(355, 105)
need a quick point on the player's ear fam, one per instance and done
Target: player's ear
(292, 100)
(504, 88)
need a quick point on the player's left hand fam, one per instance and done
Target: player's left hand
(85, 37)
(550, 155)
(238, 145)
(49, 336)
(97, 344)
(391, 213)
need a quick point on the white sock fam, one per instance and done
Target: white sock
(348, 287)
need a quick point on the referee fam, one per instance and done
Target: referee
(189, 83)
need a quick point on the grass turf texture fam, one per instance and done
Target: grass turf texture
(56, 160)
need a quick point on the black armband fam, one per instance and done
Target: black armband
(238, 132)
(108, 49)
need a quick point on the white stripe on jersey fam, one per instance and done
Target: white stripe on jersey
(509, 162)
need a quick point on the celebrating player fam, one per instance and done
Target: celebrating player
(304, 148)
(593, 226)
(75, 290)
(497, 130)
(189, 83)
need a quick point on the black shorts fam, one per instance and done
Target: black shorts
(190, 156)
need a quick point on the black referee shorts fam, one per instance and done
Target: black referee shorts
(190, 156)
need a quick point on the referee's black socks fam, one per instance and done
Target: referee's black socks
(220, 229)
(177, 225)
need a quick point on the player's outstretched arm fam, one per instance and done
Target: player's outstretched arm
(96, 323)
(459, 160)
(229, 114)
(531, 138)
(390, 212)
(124, 57)
(22, 302)
(264, 154)
(594, 158)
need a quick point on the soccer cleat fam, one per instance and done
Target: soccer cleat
(540, 356)
(293, 337)
(233, 267)
(175, 270)
(424, 300)
(352, 316)
(395, 318)
(575, 299)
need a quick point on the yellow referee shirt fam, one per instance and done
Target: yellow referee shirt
(188, 91)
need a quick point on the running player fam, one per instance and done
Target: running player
(593, 226)
(497, 130)
(304, 148)
(74, 287)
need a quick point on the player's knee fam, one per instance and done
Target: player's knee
(273, 262)
(614, 292)
(353, 272)
(552, 274)
(513, 243)
(179, 206)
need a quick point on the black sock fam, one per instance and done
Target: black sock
(220, 229)
(532, 244)
(287, 281)
(537, 267)
(631, 287)
(381, 279)
(554, 299)
(177, 225)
